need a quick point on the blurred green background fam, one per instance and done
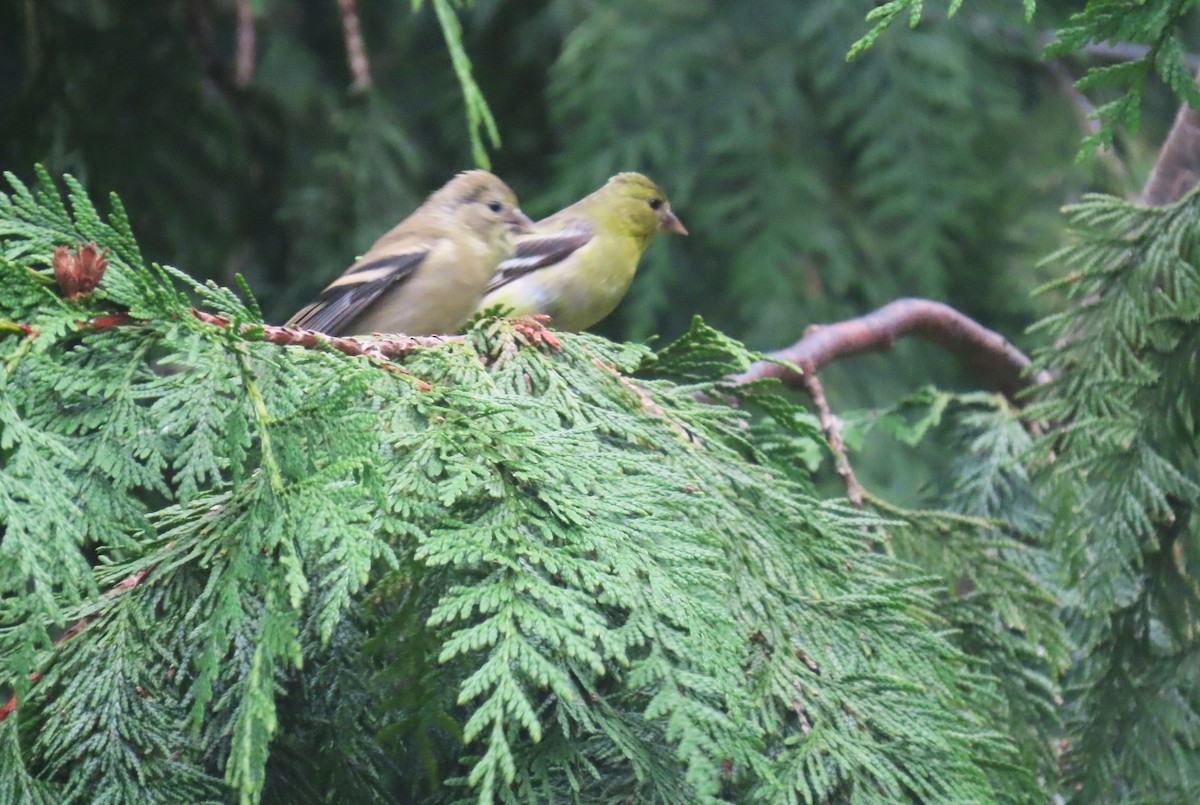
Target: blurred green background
(814, 188)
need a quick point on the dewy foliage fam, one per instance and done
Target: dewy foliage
(297, 576)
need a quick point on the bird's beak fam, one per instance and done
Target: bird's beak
(673, 224)
(519, 222)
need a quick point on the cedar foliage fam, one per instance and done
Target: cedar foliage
(556, 575)
(551, 575)
(1159, 24)
(1122, 480)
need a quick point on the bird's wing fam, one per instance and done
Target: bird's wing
(540, 250)
(362, 284)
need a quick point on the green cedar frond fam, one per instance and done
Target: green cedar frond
(1159, 24)
(479, 116)
(553, 575)
(1120, 476)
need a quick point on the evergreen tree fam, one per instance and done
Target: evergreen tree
(491, 568)
(1121, 478)
(241, 564)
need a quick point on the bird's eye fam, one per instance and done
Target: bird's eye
(655, 203)
(495, 206)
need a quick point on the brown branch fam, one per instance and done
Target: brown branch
(382, 349)
(126, 584)
(1002, 366)
(1065, 83)
(1130, 51)
(244, 72)
(1177, 168)
(217, 79)
(32, 51)
(356, 54)
(1084, 110)
(1111, 51)
(833, 435)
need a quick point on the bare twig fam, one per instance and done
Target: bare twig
(31, 38)
(1085, 114)
(833, 435)
(1177, 168)
(1117, 51)
(987, 28)
(1129, 51)
(1001, 365)
(381, 348)
(244, 73)
(356, 54)
(1065, 82)
(217, 79)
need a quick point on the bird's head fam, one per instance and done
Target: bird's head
(643, 205)
(483, 203)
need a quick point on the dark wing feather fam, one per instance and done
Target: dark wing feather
(539, 251)
(347, 296)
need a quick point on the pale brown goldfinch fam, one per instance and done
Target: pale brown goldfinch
(427, 274)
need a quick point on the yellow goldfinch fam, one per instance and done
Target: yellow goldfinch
(577, 264)
(427, 274)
